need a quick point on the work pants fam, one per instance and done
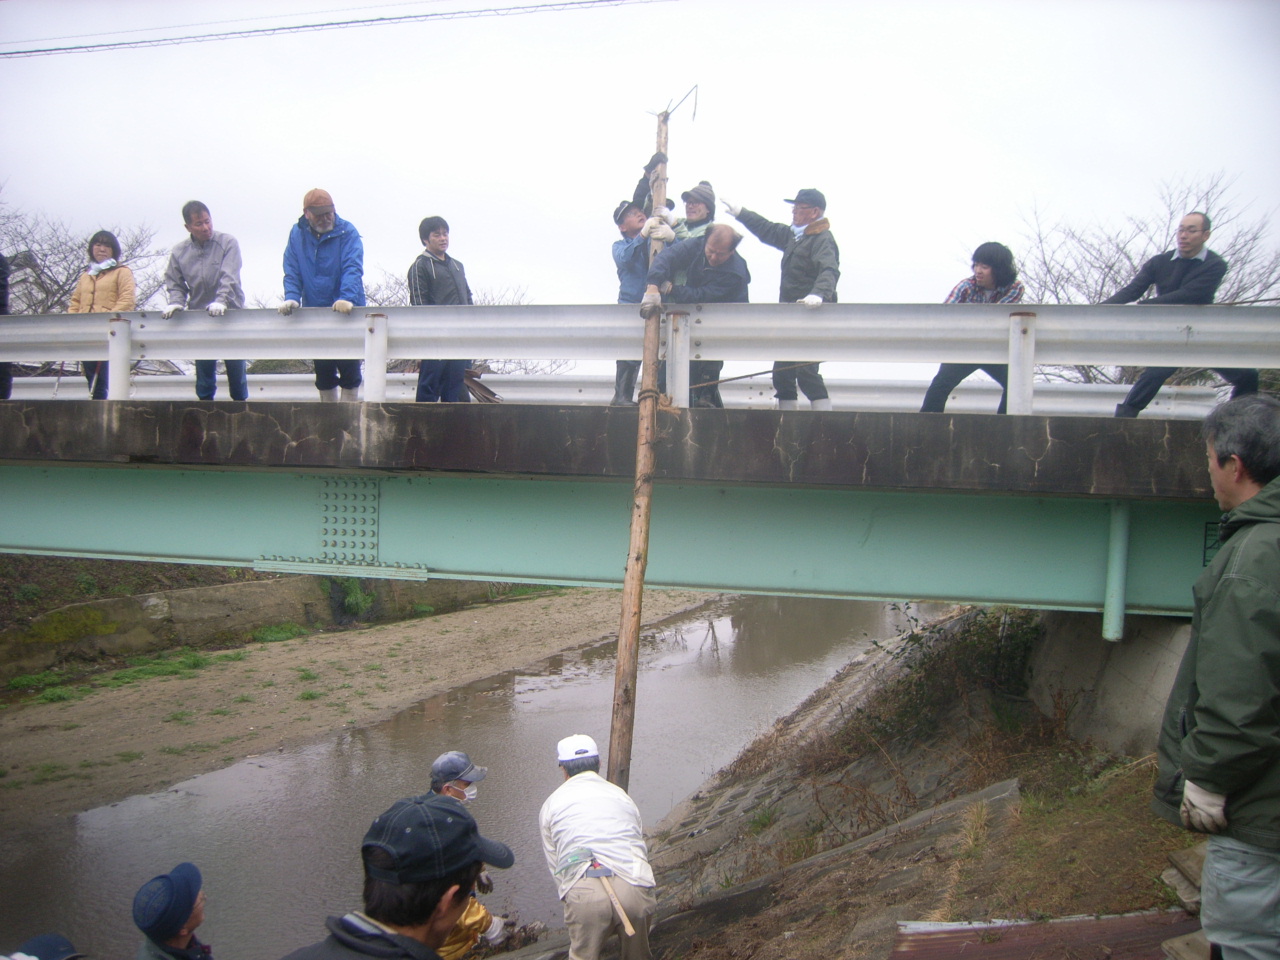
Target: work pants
(592, 920)
(6, 380)
(207, 379)
(787, 375)
(1240, 899)
(337, 373)
(1144, 389)
(949, 376)
(443, 381)
(95, 371)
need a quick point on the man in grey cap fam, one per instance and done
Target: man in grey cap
(593, 840)
(453, 774)
(810, 270)
(421, 859)
(168, 909)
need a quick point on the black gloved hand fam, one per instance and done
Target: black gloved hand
(656, 159)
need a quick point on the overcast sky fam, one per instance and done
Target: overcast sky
(930, 126)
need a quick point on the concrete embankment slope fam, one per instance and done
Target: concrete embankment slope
(773, 857)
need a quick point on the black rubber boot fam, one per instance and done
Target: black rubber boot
(624, 384)
(1126, 411)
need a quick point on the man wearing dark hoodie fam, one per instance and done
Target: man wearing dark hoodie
(437, 279)
(1219, 747)
(810, 270)
(421, 861)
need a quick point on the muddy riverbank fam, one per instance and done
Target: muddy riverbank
(62, 758)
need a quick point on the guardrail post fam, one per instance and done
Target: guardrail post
(1117, 572)
(1022, 362)
(119, 357)
(375, 357)
(678, 358)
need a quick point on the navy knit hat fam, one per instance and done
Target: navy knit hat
(50, 946)
(164, 903)
(430, 837)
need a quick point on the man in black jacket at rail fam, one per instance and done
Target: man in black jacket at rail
(437, 279)
(715, 273)
(1190, 274)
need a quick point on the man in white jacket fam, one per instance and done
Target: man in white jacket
(590, 826)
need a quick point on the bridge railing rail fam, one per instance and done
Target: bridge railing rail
(1022, 336)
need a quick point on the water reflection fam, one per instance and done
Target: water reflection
(277, 837)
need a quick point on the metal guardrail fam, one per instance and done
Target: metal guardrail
(1183, 336)
(903, 396)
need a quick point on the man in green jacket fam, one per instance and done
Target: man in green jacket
(1219, 749)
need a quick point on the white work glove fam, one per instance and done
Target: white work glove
(170, 310)
(342, 306)
(655, 228)
(669, 215)
(484, 882)
(811, 301)
(287, 307)
(1203, 811)
(217, 308)
(497, 931)
(651, 298)
(731, 208)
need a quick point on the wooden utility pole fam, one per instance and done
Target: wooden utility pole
(622, 728)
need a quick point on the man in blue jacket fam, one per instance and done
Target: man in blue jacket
(714, 273)
(323, 267)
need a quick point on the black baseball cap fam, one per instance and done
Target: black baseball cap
(430, 837)
(810, 196)
(625, 207)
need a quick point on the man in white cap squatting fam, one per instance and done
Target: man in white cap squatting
(168, 909)
(594, 844)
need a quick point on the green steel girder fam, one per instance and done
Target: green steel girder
(835, 542)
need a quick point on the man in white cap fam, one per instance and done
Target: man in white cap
(594, 844)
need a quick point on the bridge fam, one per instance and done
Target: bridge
(1072, 513)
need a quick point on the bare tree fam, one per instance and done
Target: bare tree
(1072, 263)
(46, 259)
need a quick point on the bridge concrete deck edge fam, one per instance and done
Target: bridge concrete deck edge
(1032, 455)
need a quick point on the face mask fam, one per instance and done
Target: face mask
(468, 792)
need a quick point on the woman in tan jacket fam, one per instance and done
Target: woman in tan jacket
(106, 287)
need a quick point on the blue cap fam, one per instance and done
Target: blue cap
(164, 903)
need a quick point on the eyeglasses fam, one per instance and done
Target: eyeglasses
(320, 212)
(1182, 230)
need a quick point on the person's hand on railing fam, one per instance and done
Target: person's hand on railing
(811, 301)
(287, 307)
(217, 308)
(342, 306)
(170, 310)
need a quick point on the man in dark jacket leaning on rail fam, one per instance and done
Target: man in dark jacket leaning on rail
(1219, 749)
(714, 272)
(810, 270)
(1190, 274)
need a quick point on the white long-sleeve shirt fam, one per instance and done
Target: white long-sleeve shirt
(587, 811)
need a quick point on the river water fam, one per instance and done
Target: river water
(278, 837)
